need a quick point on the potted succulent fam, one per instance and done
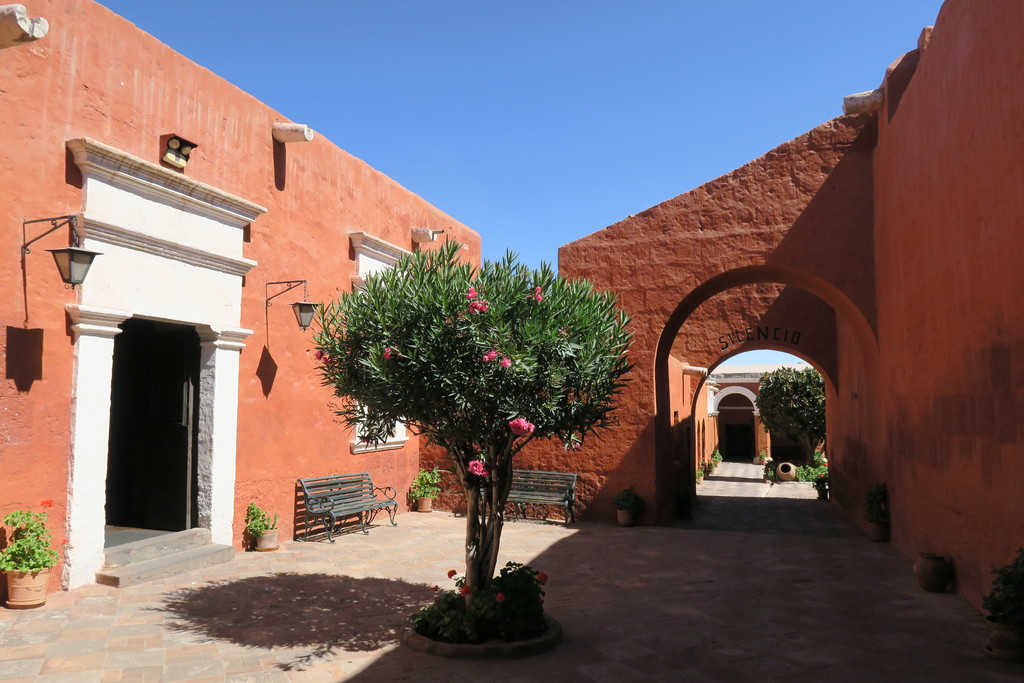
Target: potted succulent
(425, 488)
(28, 558)
(1005, 605)
(628, 504)
(876, 510)
(261, 528)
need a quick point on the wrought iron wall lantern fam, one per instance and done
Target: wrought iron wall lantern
(304, 310)
(73, 262)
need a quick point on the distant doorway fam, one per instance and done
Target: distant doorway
(736, 428)
(151, 460)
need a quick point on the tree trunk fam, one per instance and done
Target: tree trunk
(485, 517)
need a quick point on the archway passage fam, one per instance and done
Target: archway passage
(736, 425)
(151, 462)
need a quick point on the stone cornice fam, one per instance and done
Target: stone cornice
(229, 338)
(90, 321)
(104, 231)
(375, 247)
(97, 160)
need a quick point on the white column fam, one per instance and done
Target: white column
(218, 429)
(94, 329)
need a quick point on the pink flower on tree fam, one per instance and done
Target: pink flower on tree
(520, 427)
(319, 355)
(388, 351)
(478, 468)
(471, 294)
(506, 362)
(478, 306)
(537, 296)
(490, 355)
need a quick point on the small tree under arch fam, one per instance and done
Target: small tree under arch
(792, 404)
(479, 362)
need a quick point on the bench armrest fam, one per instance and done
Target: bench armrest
(318, 504)
(384, 491)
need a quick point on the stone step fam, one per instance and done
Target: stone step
(157, 546)
(165, 566)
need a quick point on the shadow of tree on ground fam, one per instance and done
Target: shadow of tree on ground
(288, 610)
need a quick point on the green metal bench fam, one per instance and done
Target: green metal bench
(531, 487)
(327, 499)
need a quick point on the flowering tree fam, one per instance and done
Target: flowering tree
(792, 404)
(480, 362)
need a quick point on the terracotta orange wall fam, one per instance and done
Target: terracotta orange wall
(799, 215)
(96, 75)
(949, 248)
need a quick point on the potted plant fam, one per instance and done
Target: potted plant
(425, 488)
(876, 510)
(28, 558)
(820, 484)
(761, 457)
(716, 459)
(261, 528)
(628, 504)
(1005, 605)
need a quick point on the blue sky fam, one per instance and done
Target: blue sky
(539, 122)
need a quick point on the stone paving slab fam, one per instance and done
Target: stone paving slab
(765, 584)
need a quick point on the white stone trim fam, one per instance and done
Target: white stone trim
(376, 248)
(107, 232)
(95, 329)
(95, 322)
(17, 28)
(742, 391)
(155, 182)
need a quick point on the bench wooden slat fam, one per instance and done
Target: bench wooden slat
(345, 495)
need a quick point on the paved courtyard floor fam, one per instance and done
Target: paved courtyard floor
(765, 584)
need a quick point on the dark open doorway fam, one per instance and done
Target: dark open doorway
(151, 462)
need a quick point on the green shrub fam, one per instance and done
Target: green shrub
(511, 608)
(427, 484)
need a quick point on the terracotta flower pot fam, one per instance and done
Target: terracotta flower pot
(268, 541)
(625, 517)
(1006, 643)
(933, 572)
(878, 532)
(424, 505)
(26, 590)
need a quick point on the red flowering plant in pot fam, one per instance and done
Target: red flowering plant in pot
(479, 362)
(28, 557)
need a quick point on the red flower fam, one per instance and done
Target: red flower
(500, 597)
(542, 577)
(451, 573)
(436, 588)
(47, 503)
(64, 542)
(466, 590)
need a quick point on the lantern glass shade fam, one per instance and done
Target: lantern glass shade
(304, 311)
(73, 263)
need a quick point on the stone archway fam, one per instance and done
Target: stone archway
(798, 219)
